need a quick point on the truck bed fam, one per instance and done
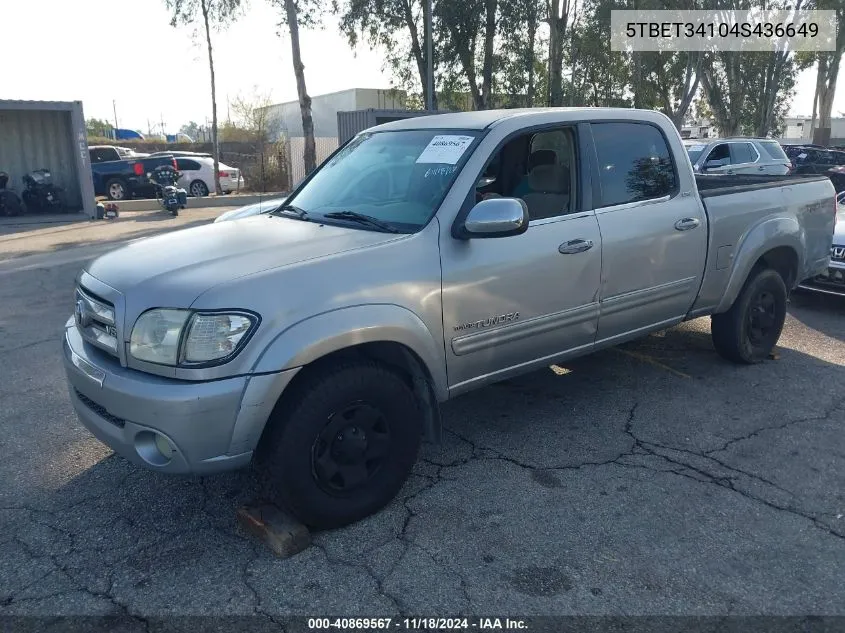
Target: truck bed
(720, 184)
(736, 204)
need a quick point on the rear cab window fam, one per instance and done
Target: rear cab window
(634, 163)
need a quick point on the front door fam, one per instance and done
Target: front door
(516, 302)
(653, 228)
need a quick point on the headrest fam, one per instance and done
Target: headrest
(541, 157)
(549, 179)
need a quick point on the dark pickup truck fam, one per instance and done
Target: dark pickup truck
(121, 178)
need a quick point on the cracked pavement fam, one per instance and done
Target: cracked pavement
(608, 485)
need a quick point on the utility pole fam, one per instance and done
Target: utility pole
(429, 69)
(114, 109)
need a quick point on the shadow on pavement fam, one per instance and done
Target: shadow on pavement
(597, 486)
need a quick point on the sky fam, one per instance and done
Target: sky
(126, 52)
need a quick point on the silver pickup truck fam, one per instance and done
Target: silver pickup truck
(425, 258)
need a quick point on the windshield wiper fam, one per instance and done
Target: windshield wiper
(362, 219)
(290, 209)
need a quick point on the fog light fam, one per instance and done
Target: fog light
(154, 448)
(164, 447)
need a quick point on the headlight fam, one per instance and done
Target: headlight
(158, 336)
(215, 336)
(155, 337)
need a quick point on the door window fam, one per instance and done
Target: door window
(742, 153)
(634, 163)
(184, 164)
(539, 168)
(720, 156)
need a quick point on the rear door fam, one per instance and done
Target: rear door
(744, 158)
(653, 231)
(190, 170)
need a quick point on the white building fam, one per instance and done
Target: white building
(286, 119)
(797, 129)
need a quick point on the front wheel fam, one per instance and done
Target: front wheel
(748, 331)
(343, 445)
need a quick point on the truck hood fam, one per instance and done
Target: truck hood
(177, 267)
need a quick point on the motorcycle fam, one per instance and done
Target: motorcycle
(40, 194)
(170, 197)
(10, 204)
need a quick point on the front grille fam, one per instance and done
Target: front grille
(96, 320)
(100, 410)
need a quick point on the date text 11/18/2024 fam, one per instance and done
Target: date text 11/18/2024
(414, 624)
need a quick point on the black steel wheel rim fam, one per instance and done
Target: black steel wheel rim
(351, 448)
(761, 316)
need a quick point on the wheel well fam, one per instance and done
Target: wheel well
(392, 354)
(784, 260)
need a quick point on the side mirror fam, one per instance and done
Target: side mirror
(496, 217)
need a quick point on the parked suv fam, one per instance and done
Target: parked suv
(738, 156)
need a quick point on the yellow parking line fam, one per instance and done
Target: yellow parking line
(652, 361)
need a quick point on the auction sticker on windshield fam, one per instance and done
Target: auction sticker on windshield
(445, 149)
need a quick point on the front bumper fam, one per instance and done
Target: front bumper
(211, 426)
(831, 282)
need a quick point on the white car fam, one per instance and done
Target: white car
(198, 176)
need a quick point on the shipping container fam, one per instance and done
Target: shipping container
(48, 135)
(350, 123)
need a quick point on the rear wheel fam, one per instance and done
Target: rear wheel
(116, 189)
(343, 445)
(750, 329)
(198, 189)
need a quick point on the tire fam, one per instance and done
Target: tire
(198, 189)
(314, 450)
(11, 204)
(116, 189)
(748, 332)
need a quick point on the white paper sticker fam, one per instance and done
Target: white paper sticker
(445, 149)
(695, 148)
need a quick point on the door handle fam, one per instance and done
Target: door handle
(729, 172)
(575, 246)
(687, 223)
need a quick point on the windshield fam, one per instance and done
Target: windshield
(398, 178)
(694, 151)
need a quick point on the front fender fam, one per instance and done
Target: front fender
(317, 336)
(769, 234)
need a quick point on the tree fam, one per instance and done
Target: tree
(214, 13)
(558, 19)
(397, 27)
(827, 73)
(518, 61)
(192, 129)
(98, 127)
(305, 13)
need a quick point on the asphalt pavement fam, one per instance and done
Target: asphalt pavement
(654, 478)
